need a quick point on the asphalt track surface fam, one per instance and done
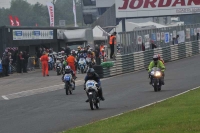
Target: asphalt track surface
(54, 111)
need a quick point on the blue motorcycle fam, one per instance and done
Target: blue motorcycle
(82, 64)
(69, 83)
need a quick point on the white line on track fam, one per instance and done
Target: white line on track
(37, 91)
(5, 98)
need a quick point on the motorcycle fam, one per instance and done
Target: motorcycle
(92, 90)
(69, 83)
(156, 77)
(82, 64)
(59, 67)
(89, 63)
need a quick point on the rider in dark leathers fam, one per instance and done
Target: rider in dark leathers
(91, 75)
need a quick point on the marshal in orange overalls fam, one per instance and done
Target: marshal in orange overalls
(71, 62)
(44, 59)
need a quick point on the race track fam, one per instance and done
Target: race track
(54, 111)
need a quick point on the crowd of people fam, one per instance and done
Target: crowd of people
(14, 60)
(71, 57)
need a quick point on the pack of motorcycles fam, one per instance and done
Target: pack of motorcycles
(83, 64)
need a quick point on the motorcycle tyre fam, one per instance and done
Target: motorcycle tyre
(67, 89)
(91, 102)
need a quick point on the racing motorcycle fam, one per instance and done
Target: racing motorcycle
(59, 67)
(69, 83)
(82, 64)
(93, 96)
(89, 63)
(156, 77)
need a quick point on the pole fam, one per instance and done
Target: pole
(82, 12)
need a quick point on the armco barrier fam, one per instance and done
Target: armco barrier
(140, 60)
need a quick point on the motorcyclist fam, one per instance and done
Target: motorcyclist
(75, 56)
(159, 58)
(68, 70)
(157, 63)
(91, 75)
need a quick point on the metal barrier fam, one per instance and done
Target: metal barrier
(162, 37)
(140, 60)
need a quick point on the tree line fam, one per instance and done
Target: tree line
(30, 15)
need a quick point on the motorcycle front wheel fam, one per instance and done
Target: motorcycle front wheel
(66, 88)
(91, 102)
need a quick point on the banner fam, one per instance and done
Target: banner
(158, 36)
(181, 36)
(17, 21)
(50, 7)
(74, 11)
(188, 33)
(146, 40)
(174, 34)
(12, 23)
(153, 37)
(139, 39)
(32, 34)
(167, 38)
(162, 36)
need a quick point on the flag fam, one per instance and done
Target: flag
(12, 23)
(17, 21)
(50, 7)
(74, 11)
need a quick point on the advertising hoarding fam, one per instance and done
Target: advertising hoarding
(32, 34)
(147, 8)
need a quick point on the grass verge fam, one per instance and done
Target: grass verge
(177, 115)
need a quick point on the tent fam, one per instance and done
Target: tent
(75, 35)
(99, 33)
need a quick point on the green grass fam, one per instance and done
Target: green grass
(176, 115)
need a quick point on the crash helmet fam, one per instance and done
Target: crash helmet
(62, 52)
(90, 72)
(89, 52)
(67, 69)
(88, 45)
(155, 58)
(79, 48)
(73, 51)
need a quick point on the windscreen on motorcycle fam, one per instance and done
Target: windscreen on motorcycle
(155, 69)
(81, 61)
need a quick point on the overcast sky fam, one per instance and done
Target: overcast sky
(6, 3)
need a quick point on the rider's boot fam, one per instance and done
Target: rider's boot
(88, 98)
(101, 94)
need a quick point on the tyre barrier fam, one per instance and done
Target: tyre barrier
(140, 60)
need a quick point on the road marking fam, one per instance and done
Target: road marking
(38, 91)
(4, 97)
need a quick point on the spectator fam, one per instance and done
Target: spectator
(153, 45)
(67, 50)
(112, 42)
(176, 39)
(97, 54)
(20, 62)
(5, 64)
(25, 61)
(143, 47)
